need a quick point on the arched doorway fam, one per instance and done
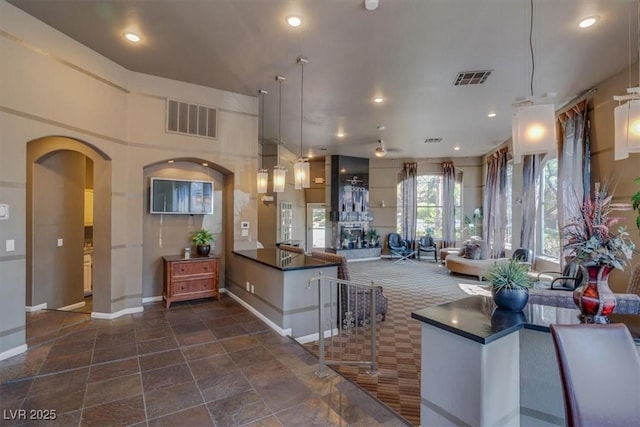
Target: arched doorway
(58, 171)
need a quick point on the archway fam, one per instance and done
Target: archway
(55, 228)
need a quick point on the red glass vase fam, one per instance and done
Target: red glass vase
(594, 298)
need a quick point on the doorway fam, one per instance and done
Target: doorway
(316, 226)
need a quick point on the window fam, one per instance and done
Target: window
(549, 233)
(508, 234)
(430, 201)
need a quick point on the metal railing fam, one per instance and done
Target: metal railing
(346, 326)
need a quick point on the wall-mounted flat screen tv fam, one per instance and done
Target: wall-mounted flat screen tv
(181, 196)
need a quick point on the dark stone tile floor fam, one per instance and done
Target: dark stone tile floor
(201, 363)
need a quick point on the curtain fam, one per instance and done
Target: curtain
(495, 203)
(448, 210)
(531, 171)
(574, 163)
(409, 177)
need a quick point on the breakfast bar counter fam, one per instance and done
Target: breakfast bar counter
(484, 366)
(274, 285)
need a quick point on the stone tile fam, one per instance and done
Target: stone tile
(217, 387)
(270, 421)
(65, 382)
(219, 322)
(254, 326)
(321, 386)
(20, 370)
(238, 410)
(115, 336)
(64, 363)
(284, 394)
(172, 398)
(196, 416)
(194, 325)
(153, 333)
(270, 337)
(119, 352)
(229, 331)
(159, 378)
(119, 413)
(242, 342)
(113, 369)
(200, 351)
(267, 373)
(68, 401)
(215, 365)
(15, 390)
(157, 345)
(192, 338)
(160, 360)
(113, 389)
(311, 413)
(251, 356)
(287, 349)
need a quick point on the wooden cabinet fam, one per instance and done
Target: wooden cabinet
(190, 278)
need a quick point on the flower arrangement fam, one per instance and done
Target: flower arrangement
(591, 237)
(202, 237)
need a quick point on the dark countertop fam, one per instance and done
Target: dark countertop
(477, 319)
(283, 260)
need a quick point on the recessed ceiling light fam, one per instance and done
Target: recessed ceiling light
(381, 127)
(205, 164)
(588, 22)
(170, 161)
(132, 37)
(491, 115)
(378, 99)
(340, 135)
(294, 21)
(457, 148)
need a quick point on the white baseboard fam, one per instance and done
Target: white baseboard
(72, 306)
(152, 299)
(314, 337)
(13, 352)
(364, 259)
(278, 329)
(32, 308)
(111, 316)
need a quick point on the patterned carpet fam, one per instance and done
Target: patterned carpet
(408, 287)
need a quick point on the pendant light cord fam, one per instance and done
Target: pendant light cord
(279, 110)
(533, 62)
(301, 103)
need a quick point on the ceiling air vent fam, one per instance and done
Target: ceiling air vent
(432, 140)
(466, 78)
(191, 119)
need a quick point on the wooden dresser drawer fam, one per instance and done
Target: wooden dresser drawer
(190, 268)
(191, 286)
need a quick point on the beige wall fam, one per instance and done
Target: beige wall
(56, 86)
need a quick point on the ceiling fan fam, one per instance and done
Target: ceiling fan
(381, 150)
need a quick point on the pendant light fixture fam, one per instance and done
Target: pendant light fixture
(263, 176)
(301, 166)
(533, 126)
(279, 172)
(626, 116)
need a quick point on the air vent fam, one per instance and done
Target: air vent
(466, 78)
(191, 119)
(432, 140)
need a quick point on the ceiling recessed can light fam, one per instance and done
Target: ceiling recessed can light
(205, 164)
(378, 99)
(340, 135)
(588, 22)
(294, 21)
(491, 115)
(132, 37)
(170, 161)
(457, 148)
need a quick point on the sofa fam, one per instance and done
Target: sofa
(471, 259)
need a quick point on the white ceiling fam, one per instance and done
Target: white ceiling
(408, 51)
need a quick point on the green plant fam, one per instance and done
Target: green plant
(511, 274)
(372, 234)
(591, 238)
(635, 203)
(202, 237)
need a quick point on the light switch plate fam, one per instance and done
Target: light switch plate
(10, 245)
(59, 242)
(245, 233)
(4, 211)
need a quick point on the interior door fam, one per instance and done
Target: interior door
(316, 225)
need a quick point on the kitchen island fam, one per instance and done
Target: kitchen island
(274, 285)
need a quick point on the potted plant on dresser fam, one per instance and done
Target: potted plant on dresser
(202, 239)
(510, 284)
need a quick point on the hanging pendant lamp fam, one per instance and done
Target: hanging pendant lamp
(279, 172)
(301, 166)
(626, 117)
(263, 175)
(533, 125)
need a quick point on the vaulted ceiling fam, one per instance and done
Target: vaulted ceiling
(409, 52)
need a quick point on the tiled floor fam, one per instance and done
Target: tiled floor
(204, 363)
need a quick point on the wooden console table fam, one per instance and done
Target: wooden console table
(190, 278)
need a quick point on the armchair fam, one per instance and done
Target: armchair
(570, 278)
(399, 248)
(426, 244)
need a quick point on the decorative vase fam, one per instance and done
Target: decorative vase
(510, 299)
(594, 298)
(203, 250)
